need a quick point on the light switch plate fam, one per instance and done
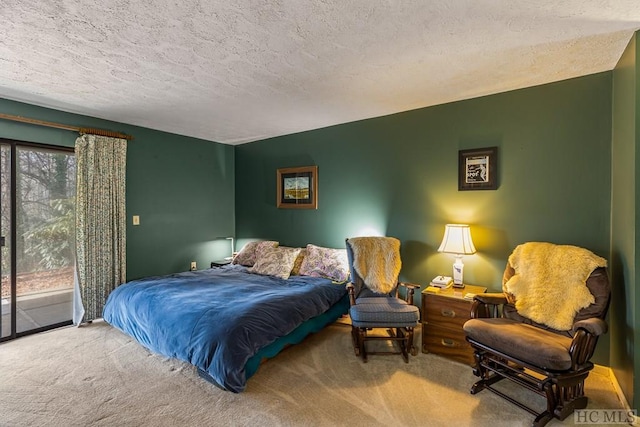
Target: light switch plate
(136, 220)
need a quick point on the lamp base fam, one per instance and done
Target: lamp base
(458, 269)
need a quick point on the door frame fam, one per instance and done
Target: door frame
(13, 237)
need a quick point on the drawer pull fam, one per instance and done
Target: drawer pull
(448, 343)
(448, 313)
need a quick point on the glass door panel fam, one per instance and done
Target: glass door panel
(44, 202)
(5, 241)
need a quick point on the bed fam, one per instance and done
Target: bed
(225, 320)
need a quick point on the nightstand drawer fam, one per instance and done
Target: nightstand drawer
(446, 342)
(444, 310)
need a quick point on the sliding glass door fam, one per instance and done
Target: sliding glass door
(38, 194)
(6, 291)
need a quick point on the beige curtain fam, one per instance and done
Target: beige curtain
(100, 223)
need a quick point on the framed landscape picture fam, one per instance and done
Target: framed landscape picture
(477, 169)
(297, 188)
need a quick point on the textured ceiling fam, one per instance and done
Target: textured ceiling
(244, 70)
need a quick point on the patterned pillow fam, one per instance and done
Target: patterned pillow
(275, 261)
(247, 256)
(325, 262)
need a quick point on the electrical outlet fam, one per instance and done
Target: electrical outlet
(136, 220)
(193, 266)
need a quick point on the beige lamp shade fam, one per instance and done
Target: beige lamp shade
(457, 240)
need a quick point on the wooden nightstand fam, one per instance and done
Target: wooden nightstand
(220, 262)
(443, 315)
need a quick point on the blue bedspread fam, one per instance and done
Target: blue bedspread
(217, 319)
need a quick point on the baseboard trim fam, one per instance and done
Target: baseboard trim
(608, 372)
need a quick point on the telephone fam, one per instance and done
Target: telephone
(441, 281)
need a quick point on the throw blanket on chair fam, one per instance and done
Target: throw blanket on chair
(549, 284)
(377, 261)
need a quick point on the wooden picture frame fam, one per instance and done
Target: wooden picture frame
(297, 188)
(478, 169)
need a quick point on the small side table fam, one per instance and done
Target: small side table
(443, 315)
(220, 263)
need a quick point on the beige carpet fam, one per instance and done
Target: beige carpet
(97, 376)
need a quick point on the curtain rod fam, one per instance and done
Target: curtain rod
(93, 131)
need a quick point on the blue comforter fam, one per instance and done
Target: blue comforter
(217, 319)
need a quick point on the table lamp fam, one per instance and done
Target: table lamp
(232, 248)
(457, 241)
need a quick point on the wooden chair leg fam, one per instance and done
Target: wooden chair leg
(363, 348)
(355, 338)
(414, 349)
(568, 397)
(403, 341)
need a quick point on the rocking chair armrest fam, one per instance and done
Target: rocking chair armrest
(593, 325)
(351, 289)
(411, 288)
(409, 285)
(495, 298)
(584, 340)
(486, 305)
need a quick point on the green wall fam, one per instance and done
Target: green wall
(397, 175)
(624, 219)
(182, 188)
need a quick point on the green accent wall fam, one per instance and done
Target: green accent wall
(182, 188)
(625, 303)
(397, 175)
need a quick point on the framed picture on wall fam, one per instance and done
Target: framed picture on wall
(298, 188)
(477, 169)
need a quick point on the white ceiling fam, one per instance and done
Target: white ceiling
(244, 70)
